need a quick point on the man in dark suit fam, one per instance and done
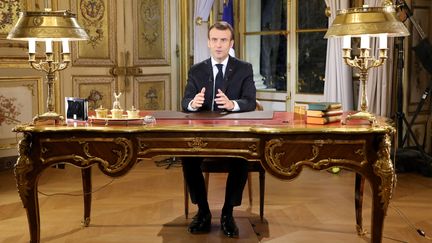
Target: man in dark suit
(220, 83)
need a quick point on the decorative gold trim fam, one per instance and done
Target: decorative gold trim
(14, 54)
(23, 167)
(199, 21)
(383, 168)
(27, 111)
(95, 23)
(272, 32)
(184, 47)
(294, 168)
(209, 146)
(310, 30)
(85, 222)
(96, 97)
(327, 12)
(124, 156)
(139, 98)
(7, 146)
(197, 144)
(151, 33)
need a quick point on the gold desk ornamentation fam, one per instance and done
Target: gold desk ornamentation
(282, 148)
(384, 169)
(23, 167)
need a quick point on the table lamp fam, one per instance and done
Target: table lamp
(48, 26)
(366, 22)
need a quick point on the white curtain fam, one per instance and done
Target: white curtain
(338, 86)
(202, 10)
(379, 83)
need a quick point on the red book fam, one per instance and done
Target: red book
(324, 113)
(322, 120)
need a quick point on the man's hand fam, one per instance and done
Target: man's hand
(198, 100)
(223, 102)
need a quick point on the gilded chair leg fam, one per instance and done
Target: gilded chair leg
(359, 188)
(87, 188)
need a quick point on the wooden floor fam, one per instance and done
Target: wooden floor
(147, 205)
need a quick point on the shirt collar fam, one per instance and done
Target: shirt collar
(224, 62)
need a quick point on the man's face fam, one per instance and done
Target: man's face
(219, 43)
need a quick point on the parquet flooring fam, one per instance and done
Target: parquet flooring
(147, 205)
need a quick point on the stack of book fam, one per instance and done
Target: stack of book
(324, 112)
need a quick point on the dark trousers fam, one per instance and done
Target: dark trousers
(237, 176)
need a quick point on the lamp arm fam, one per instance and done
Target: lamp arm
(352, 62)
(378, 62)
(62, 65)
(36, 66)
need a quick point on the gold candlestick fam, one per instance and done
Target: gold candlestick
(366, 22)
(49, 66)
(364, 62)
(49, 26)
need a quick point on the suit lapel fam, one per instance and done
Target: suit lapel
(209, 69)
(228, 73)
(209, 81)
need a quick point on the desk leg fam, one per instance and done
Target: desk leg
(32, 208)
(378, 214)
(382, 183)
(26, 175)
(87, 188)
(359, 189)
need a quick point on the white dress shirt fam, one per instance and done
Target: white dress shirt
(215, 71)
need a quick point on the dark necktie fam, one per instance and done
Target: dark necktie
(218, 83)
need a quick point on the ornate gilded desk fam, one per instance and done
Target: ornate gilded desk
(283, 145)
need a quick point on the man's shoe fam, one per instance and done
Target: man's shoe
(229, 226)
(201, 223)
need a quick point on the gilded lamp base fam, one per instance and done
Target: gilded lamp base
(48, 117)
(361, 115)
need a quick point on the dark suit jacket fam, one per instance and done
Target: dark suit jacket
(238, 84)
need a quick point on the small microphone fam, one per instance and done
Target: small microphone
(213, 92)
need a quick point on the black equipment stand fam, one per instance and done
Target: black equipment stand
(412, 158)
(169, 162)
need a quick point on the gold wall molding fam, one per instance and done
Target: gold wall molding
(151, 33)
(152, 92)
(99, 18)
(21, 98)
(12, 52)
(97, 89)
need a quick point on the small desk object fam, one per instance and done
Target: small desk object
(282, 143)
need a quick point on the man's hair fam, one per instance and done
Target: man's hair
(222, 25)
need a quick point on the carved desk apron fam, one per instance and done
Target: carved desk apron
(282, 144)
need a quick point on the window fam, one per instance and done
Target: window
(280, 39)
(311, 46)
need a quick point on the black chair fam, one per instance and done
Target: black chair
(218, 165)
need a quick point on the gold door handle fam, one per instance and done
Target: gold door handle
(133, 71)
(117, 71)
(125, 71)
